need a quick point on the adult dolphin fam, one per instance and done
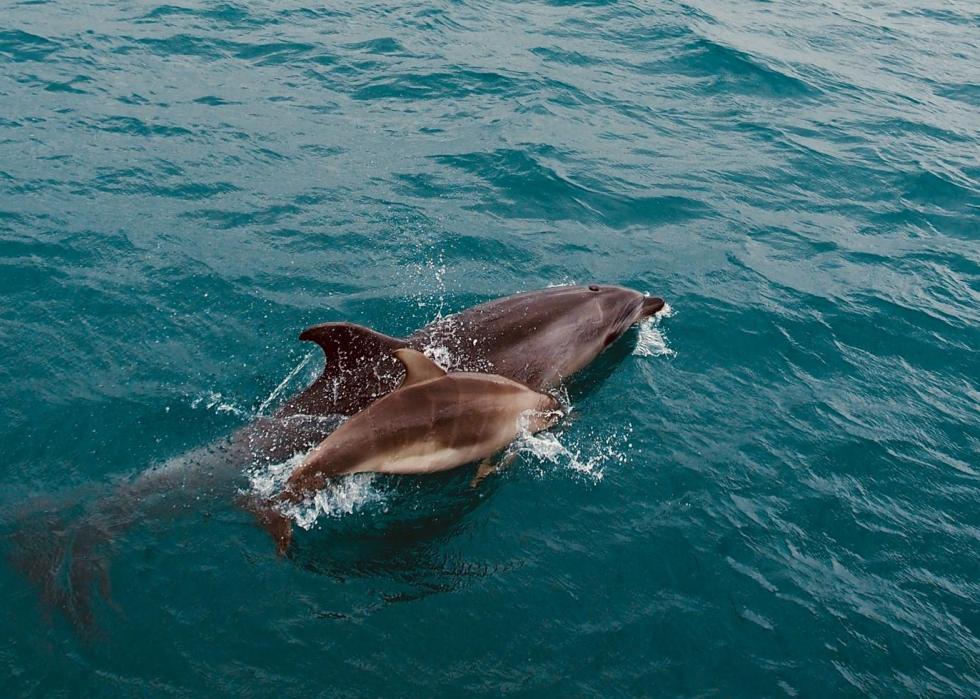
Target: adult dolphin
(433, 422)
(537, 338)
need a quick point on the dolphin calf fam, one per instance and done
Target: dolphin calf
(537, 338)
(434, 421)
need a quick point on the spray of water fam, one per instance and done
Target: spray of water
(434, 272)
(652, 342)
(584, 457)
(212, 400)
(277, 392)
(342, 497)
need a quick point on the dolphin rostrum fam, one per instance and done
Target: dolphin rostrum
(537, 338)
(434, 421)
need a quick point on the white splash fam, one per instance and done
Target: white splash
(438, 349)
(652, 342)
(560, 393)
(546, 447)
(266, 481)
(284, 383)
(213, 400)
(343, 496)
(440, 355)
(587, 457)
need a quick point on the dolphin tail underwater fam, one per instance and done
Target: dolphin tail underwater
(64, 556)
(63, 544)
(434, 421)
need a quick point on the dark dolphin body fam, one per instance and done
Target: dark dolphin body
(537, 338)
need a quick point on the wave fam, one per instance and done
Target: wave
(527, 186)
(21, 46)
(454, 85)
(733, 70)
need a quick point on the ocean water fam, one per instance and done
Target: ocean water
(771, 492)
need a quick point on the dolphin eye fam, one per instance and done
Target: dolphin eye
(593, 287)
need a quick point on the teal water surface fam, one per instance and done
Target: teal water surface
(772, 492)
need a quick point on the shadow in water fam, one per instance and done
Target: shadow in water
(400, 546)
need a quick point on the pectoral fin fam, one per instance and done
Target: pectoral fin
(487, 467)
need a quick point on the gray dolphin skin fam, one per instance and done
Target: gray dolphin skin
(433, 422)
(537, 338)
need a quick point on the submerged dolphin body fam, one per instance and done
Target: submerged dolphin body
(433, 422)
(536, 338)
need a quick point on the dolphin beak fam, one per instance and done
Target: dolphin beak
(652, 305)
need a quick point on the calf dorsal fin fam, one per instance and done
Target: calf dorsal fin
(418, 367)
(346, 343)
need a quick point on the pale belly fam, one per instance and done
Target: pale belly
(428, 457)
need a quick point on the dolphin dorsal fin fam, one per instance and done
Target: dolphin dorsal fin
(418, 367)
(346, 343)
